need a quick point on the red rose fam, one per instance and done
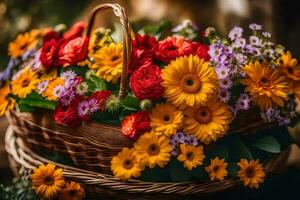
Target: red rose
(143, 50)
(101, 97)
(146, 82)
(73, 51)
(173, 47)
(67, 116)
(201, 50)
(76, 31)
(48, 53)
(135, 124)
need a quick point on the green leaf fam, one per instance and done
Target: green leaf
(219, 150)
(99, 84)
(38, 103)
(124, 113)
(200, 173)
(178, 172)
(26, 108)
(238, 150)
(232, 169)
(267, 143)
(130, 103)
(156, 174)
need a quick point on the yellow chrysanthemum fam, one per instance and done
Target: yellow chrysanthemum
(217, 169)
(47, 181)
(189, 81)
(191, 156)
(98, 39)
(6, 103)
(209, 121)
(22, 43)
(24, 83)
(267, 87)
(165, 119)
(252, 173)
(108, 61)
(125, 165)
(153, 150)
(72, 191)
(48, 93)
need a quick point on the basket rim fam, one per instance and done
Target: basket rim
(30, 160)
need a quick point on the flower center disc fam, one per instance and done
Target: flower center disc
(25, 83)
(190, 83)
(250, 172)
(127, 164)
(264, 82)
(114, 58)
(166, 118)
(190, 156)
(153, 150)
(48, 180)
(203, 115)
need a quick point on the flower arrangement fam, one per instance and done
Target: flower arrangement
(186, 94)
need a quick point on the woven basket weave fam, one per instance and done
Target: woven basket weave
(104, 186)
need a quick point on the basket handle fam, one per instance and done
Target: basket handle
(119, 11)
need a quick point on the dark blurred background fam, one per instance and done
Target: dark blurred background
(279, 17)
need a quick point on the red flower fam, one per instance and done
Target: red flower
(73, 51)
(143, 50)
(146, 82)
(76, 31)
(173, 47)
(101, 97)
(201, 50)
(67, 116)
(48, 53)
(135, 124)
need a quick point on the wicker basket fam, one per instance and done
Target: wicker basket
(107, 187)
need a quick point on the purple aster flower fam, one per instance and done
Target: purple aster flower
(269, 115)
(254, 26)
(241, 59)
(191, 140)
(255, 41)
(239, 43)
(7, 73)
(256, 51)
(28, 54)
(223, 72)
(37, 63)
(42, 86)
(235, 33)
(215, 50)
(68, 75)
(174, 152)
(224, 95)
(87, 107)
(67, 97)
(266, 34)
(243, 102)
(58, 91)
(226, 83)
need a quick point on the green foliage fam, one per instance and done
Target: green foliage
(130, 103)
(158, 30)
(232, 169)
(238, 150)
(156, 174)
(218, 150)
(19, 189)
(95, 83)
(178, 172)
(36, 100)
(267, 143)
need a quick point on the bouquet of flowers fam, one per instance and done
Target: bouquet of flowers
(190, 100)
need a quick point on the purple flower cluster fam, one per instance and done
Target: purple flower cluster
(273, 115)
(7, 73)
(67, 92)
(182, 138)
(87, 107)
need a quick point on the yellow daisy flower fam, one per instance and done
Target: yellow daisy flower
(125, 165)
(47, 181)
(24, 83)
(23, 43)
(6, 103)
(72, 191)
(252, 173)
(217, 169)
(209, 121)
(48, 93)
(152, 150)
(191, 156)
(267, 87)
(189, 81)
(108, 61)
(165, 119)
